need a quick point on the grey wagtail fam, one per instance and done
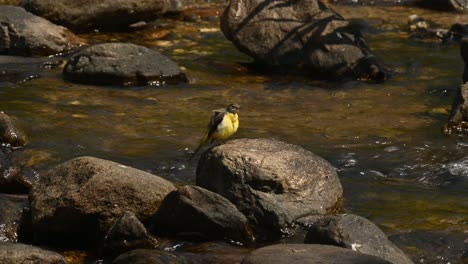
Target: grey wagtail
(223, 124)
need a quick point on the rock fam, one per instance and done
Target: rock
(10, 133)
(302, 33)
(22, 33)
(308, 254)
(453, 5)
(10, 216)
(146, 256)
(15, 180)
(374, 2)
(79, 200)
(194, 210)
(126, 234)
(13, 253)
(357, 233)
(121, 64)
(270, 182)
(14, 69)
(86, 15)
(464, 54)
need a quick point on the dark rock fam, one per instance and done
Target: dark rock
(10, 216)
(302, 33)
(14, 69)
(121, 64)
(357, 233)
(450, 5)
(13, 253)
(79, 200)
(458, 119)
(374, 2)
(10, 133)
(15, 180)
(146, 256)
(126, 234)
(194, 210)
(85, 15)
(22, 33)
(270, 182)
(308, 254)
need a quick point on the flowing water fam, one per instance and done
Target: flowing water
(396, 166)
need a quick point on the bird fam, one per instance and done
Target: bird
(223, 124)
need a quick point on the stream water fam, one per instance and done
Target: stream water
(396, 166)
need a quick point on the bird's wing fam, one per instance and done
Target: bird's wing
(215, 120)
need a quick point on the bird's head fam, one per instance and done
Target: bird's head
(233, 108)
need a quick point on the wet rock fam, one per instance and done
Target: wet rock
(22, 33)
(301, 33)
(10, 216)
(10, 133)
(451, 5)
(85, 15)
(146, 256)
(13, 253)
(374, 2)
(79, 200)
(270, 182)
(308, 254)
(14, 69)
(126, 234)
(459, 115)
(121, 64)
(15, 180)
(357, 233)
(192, 210)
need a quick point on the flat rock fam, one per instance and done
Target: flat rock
(357, 233)
(10, 216)
(270, 182)
(121, 64)
(193, 210)
(86, 15)
(79, 200)
(309, 254)
(14, 253)
(10, 133)
(25, 34)
(126, 234)
(146, 256)
(302, 33)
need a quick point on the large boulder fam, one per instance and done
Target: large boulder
(22, 33)
(270, 182)
(146, 256)
(300, 33)
(126, 234)
(192, 210)
(121, 64)
(12, 253)
(309, 254)
(10, 133)
(85, 15)
(357, 233)
(10, 216)
(79, 200)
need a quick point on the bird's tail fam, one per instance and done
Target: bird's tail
(202, 143)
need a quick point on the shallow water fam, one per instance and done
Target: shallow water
(396, 166)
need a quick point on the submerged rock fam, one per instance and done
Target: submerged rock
(146, 256)
(308, 254)
(126, 234)
(192, 210)
(356, 233)
(22, 33)
(302, 33)
(270, 182)
(79, 200)
(10, 216)
(121, 64)
(14, 253)
(85, 15)
(10, 133)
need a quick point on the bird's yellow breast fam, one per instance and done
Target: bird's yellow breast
(227, 127)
